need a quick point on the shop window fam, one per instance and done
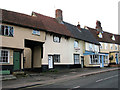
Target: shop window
(6, 30)
(94, 59)
(105, 59)
(4, 56)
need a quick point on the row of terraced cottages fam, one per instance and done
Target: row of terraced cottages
(39, 42)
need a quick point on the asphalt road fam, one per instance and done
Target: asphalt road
(103, 80)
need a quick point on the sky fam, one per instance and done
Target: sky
(84, 11)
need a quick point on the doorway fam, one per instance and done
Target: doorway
(50, 61)
(16, 60)
(82, 61)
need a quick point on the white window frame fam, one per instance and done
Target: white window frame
(8, 55)
(111, 46)
(101, 45)
(100, 35)
(9, 28)
(57, 60)
(36, 32)
(77, 60)
(93, 58)
(116, 47)
(106, 45)
(76, 44)
(90, 47)
(106, 59)
(113, 37)
(56, 39)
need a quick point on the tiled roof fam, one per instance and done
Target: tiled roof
(21, 19)
(106, 37)
(52, 25)
(81, 34)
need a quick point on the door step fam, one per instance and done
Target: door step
(18, 73)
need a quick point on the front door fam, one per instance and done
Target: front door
(82, 61)
(50, 61)
(16, 60)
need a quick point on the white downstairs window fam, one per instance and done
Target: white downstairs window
(94, 59)
(4, 56)
(76, 59)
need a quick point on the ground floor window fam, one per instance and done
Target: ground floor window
(57, 58)
(4, 56)
(105, 59)
(94, 59)
(76, 59)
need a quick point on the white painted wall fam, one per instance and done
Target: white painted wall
(65, 48)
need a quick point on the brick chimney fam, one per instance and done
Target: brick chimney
(78, 26)
(58, 15)
(98, 26)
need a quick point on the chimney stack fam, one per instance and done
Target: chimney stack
(78, 26)
(98, 26)
(58, 15)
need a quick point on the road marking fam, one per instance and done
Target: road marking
(76, 87)
(106, 78)
(99, 80)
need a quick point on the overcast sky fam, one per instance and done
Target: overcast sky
(84, 11)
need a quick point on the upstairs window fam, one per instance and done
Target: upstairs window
(116, 47)
(36, 32)
(106, 46)
(96, 48)
(56, 39)
(113, 37)
(100, 35)
(6, 30)
(75, 44)
(4, 56)
(90, 47)
(101, 45)
(111, 46)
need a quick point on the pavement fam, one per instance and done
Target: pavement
(46, 78)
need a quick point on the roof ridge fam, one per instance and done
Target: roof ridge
(43, 15)
(16, 12)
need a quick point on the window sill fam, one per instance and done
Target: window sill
(36, 34)
(95, 64)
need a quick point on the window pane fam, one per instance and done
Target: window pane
(4, 56)
(2, 30)
(11, 31)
